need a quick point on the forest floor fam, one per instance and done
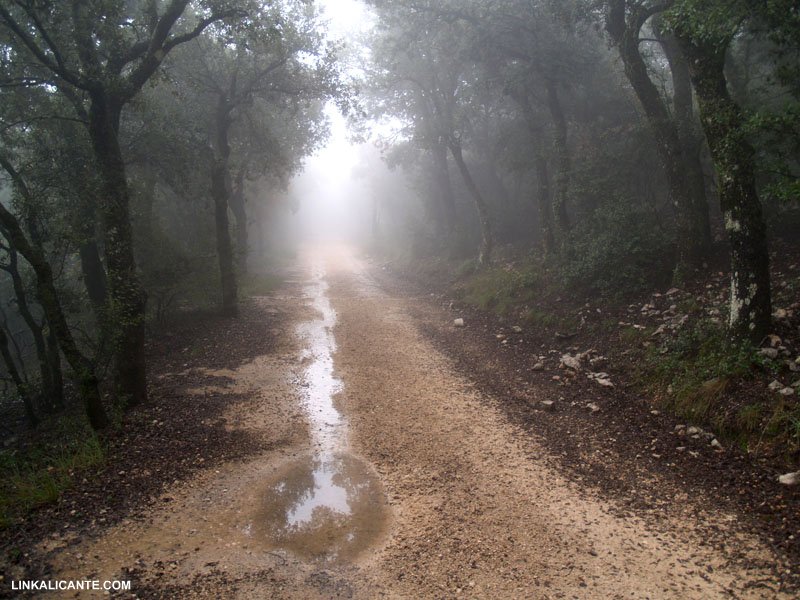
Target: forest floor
(455, 477)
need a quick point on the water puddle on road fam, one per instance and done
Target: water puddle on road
(328, 505)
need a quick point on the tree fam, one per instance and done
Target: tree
(99, 56)
(278, 64)
(624, 22)
(426, 80)
(51, 305)
(705, 30)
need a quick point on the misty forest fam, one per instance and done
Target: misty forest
(400, 298)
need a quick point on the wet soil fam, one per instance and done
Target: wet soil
(472, 502)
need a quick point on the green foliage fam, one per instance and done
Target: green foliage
(501, 288)
(700, 366)
(702, 352)
(37, 475)
(165, 269)
(620, 250)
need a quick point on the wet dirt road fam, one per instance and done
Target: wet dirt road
(385, 474)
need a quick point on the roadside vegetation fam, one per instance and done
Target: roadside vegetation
(669, 345)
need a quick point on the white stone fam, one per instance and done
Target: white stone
(775, 385)
(790, 478)
(458, 322)
(571, 362)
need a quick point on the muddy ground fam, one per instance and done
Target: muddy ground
(480, 493)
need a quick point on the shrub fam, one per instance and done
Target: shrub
(621, 250)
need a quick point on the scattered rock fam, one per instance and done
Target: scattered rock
(601, 378)
(516, 329)
(458, 322)
(716, 445)
(571, 362)
(693, 430)
(790, 478)
(775, 385)
(774, 340)
(787, 391)
(593, 407)
(539, 366)
(769, 352)
(548, 405)
(672, 291)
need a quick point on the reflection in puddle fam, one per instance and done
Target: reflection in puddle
(328, 505)
(319, 383)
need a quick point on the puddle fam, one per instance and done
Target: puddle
(327, 508)
(328, 505)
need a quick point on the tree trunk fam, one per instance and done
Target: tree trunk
(128, 299)
(544, 199)
(668, 144)
(239, 210)
(487, 241)
(48, 297)
(52, 390)
(19, 382)
(54, 361)
(220, 192)
(446, 199)
(545, 208)
(690, 137)
(750, 303)
(561, 150)
(224, 247)
(94, 277)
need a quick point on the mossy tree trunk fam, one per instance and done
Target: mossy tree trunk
(126, 295)
(733, 156)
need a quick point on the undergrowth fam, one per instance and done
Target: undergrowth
(37, 474)
(502, 288)
(710, 381)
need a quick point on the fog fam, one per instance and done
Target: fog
(331, 197)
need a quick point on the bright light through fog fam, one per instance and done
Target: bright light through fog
(334, 163)
(326, 190)
(346, 18)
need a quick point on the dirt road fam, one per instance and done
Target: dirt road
(384, 473)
